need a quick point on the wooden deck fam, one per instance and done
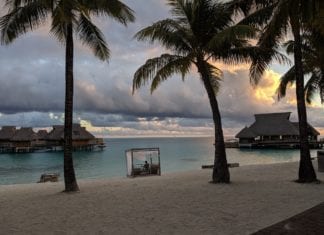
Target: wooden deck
(289, 144)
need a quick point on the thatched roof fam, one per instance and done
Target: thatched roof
(42, 134)
(311, 130)
(272, 124)
(246, 133)
(24, 134)
(78, 133)
(7, 132)
(56, 134)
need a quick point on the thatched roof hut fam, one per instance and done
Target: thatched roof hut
(311, 130)
(246, 133)
(7, 132)
(78, 133)
(24, 134)
(42, 134)
(273, 124)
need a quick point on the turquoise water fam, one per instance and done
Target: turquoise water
(177, 154)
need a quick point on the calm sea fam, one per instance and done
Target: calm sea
(177, 154)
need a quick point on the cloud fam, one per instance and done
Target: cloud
(32, 86)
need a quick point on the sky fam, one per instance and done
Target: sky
(32, 86)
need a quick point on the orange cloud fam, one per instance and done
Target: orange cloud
(265, 91)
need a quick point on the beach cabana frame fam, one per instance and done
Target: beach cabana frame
(135, 162)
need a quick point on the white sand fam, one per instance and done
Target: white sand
(182, 203)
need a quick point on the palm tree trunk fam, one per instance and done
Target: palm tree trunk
(220, 169)
(69, 175)
(306, 169)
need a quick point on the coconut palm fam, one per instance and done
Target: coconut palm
(200, 33)
(67, 17)
(313, 63)
(278, 18)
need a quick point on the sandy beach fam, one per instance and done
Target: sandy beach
(177, 203)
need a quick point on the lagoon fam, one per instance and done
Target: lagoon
(177, 154)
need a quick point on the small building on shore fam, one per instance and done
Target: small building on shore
(275, 130)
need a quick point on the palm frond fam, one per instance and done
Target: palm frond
(179, 66)
(236, 55)
(159, 69)
(311, 88)
(92, 36)
(168, 32)
(178, 10)
(261, 59)
(241, 6)
(112, 8)
(230, 35)
(215, 77)
(321, 87)
(21, 19)
(259, 17)
(277, 27)
(315, 85)
(63, 14)
(287, 79)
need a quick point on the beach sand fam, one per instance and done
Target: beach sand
(177, 203)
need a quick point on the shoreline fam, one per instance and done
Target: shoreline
(61, 179)
(174, 203)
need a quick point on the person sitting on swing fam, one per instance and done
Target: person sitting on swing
(146, 166)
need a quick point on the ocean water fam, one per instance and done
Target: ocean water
(177, 154)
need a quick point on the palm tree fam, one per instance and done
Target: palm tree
(278, 16)
(313, 63)
(67, 17)
(200, 32)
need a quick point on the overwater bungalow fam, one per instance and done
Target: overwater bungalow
(26, 140)
(6, 133)
(81, 138)
(23, 140)
(40, 141)
(275, 130)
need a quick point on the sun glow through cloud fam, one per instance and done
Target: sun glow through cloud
(265, 91)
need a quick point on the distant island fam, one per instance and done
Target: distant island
(25, 140)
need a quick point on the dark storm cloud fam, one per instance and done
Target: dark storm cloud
(173, 99)
(33, 70)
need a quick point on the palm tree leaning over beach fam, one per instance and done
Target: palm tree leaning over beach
(313, 63)
(276, 17)
(67, 17)
(200, 32)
